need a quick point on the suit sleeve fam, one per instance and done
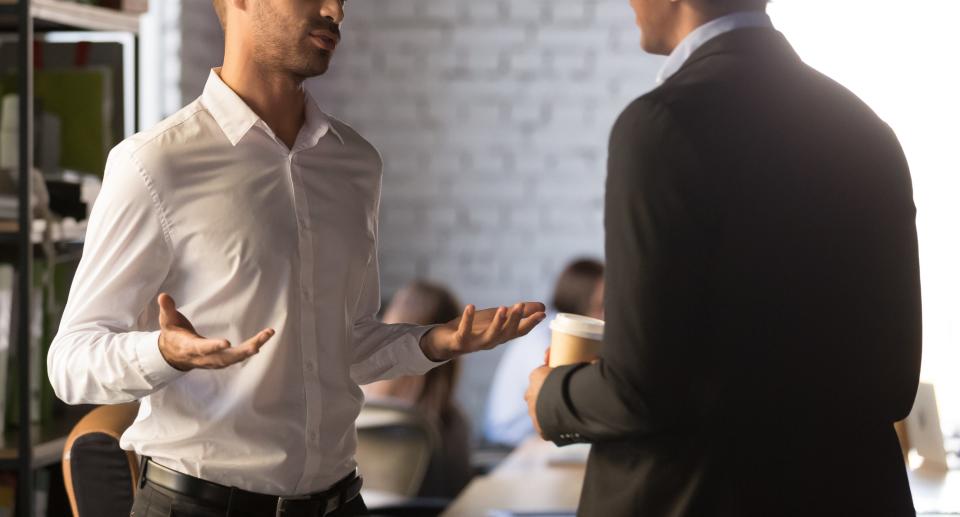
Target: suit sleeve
(654, 373)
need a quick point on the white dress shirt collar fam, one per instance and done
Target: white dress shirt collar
(705, 33)
(235, 117)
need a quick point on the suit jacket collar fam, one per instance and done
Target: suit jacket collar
(759, 41)
(708, 31)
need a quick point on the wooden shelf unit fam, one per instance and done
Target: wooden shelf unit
(59, 14)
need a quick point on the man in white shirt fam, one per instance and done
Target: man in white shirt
(257, 212)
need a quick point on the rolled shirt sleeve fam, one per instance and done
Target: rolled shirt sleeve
(106, 350)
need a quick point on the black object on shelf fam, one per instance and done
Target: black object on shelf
(65, 199)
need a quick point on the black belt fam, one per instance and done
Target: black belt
(312, 505)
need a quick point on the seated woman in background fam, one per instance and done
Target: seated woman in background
(423, 303)
(579, 290)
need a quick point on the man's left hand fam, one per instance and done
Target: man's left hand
(481, 330)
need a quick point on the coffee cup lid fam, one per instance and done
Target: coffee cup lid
(580, 326)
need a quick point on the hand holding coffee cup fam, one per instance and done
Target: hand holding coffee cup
(574, 339)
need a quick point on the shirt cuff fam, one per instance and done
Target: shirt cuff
(415, 358)
(154, 368)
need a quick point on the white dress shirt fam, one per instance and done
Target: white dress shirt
(244, 233)
(705, 33)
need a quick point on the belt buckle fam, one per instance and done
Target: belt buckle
(282, 500)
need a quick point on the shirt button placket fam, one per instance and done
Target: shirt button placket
(308, 342)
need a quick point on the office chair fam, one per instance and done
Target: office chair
(394, 447)
(100, 477)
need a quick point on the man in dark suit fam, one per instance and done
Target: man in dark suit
(763, 300)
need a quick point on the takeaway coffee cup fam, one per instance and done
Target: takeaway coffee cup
(575, 339)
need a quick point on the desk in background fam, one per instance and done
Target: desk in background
(537, 476)
(541, 477)
(935, 491)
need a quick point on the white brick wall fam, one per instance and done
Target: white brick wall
(180, 41)
(492, 118)
(482, 111)
(160, 41)
(202, 46)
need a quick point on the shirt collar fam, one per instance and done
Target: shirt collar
(317, 123)
(236, 119)
(705, 33)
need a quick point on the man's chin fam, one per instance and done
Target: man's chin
(653, 46)
(314, 69)
(319, 71)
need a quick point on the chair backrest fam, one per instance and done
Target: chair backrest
(395, 445)
(100, 477)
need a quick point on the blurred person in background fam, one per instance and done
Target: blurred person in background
(424, 303)
(578, 290)
(763, 323)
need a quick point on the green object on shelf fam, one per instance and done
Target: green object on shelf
(51, 311)
(83, 100)
(63, 274)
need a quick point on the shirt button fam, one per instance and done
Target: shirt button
(309, 366)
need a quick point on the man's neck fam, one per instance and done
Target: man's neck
(693, 17)
(277, 98)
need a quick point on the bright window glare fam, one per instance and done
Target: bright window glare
(901, 58)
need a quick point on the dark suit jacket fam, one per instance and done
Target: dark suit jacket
(762, 300)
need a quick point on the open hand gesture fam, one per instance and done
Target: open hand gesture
(185, 349)
(481, 330)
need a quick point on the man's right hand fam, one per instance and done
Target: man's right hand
(186, 350)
